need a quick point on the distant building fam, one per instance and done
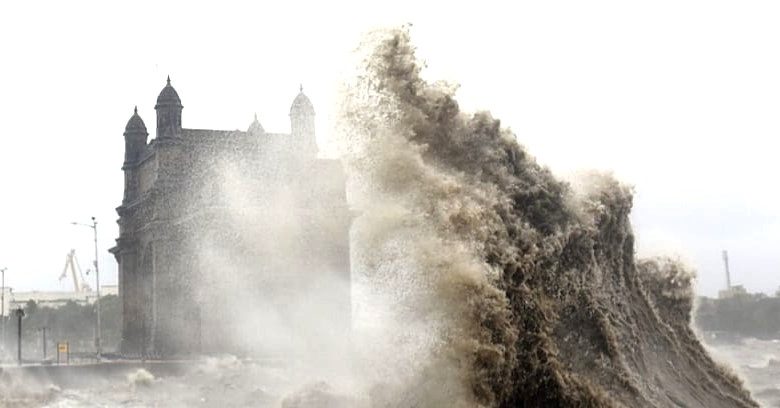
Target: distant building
(213, 220)
(733, 291)
(55, 299)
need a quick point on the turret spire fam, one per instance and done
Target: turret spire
(255, 128)
(302, 124)
(168, 109)
(135, 124)
(135, 138)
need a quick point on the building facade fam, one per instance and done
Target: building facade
(222, 234)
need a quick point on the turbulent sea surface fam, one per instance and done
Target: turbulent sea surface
(756, 361)
(212, 382)
(230, 382)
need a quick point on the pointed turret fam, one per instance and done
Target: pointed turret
(135, 138)
(302, 123)
(168, 109)
(301, 105)
(255, 128)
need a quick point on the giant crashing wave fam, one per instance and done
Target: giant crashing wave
(529, 285)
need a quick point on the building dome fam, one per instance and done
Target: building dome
(135, 124)
(301, 105)
(255, 128)
(168, 96)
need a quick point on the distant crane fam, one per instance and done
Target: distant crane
(731, 290)
(728, 274)
(72, 263)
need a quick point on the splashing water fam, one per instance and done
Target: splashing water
(499, 285)
(140, 378)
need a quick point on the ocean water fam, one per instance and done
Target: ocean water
(756, 361)
(222, 382)
(230, 382)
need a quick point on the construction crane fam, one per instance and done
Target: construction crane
(731, 290)
(72, 263)
(728, 274)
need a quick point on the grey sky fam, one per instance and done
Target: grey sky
(679, 98)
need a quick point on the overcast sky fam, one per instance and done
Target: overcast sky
(679, 98)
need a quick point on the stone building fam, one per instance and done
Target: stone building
(230, 240)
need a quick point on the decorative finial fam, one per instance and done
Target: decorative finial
(301, 88)
(169, 79)
(135, 110)
(255, 116)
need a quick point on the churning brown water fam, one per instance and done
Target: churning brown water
(528, 286)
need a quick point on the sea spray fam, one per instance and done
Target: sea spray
(497, 284)
(140, 378)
